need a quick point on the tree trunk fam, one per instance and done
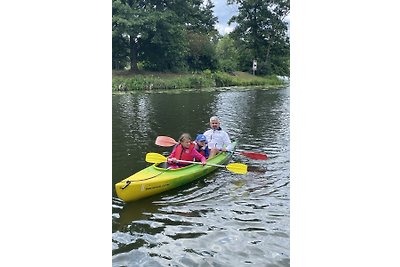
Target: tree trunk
(133, 54)
(267, 52)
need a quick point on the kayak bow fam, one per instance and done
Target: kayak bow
(157, 178)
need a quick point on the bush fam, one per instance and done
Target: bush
(195, 80)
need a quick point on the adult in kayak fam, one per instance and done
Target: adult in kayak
(184, 151)
(218, 140)
(201, 146)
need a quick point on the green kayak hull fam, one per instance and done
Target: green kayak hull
(155, 179)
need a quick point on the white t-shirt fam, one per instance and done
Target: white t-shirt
(218, 138)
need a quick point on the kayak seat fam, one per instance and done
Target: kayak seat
(163, 165)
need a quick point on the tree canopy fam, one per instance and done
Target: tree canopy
(261, 31)
(180, 35)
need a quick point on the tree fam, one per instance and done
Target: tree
(156, 31)
(166, 48)
(201, 34)
(120, 55)
(261, 29)
(132, 20)
(227, 54)
(201, 54)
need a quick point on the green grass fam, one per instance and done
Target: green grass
(125, 81)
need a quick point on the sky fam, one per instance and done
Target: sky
(224, 12)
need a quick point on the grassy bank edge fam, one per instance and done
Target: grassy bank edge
(123, 81)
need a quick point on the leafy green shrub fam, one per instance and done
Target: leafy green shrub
(196, 80)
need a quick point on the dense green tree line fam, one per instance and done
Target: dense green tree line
(180, 35)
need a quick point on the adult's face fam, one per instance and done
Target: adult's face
(214, 124)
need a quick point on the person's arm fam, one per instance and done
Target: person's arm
(206, 152)
(211, 143)
(198, 156)
(227, 143)
(171, 157)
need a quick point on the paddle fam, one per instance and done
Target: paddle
(169, 141)
(233, 167)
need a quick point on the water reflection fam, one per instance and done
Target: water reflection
(223, 219)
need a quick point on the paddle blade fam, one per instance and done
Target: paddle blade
(165, 141)
(237, 168)
(155, 158)
(254, 155)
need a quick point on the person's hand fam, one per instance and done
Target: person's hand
(171, 160)
(223, 149)
(203, 162)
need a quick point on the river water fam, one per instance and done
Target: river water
(223, 219)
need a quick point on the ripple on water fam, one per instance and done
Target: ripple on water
(223, 219)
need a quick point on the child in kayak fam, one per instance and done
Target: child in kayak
(184, 151)
(200, 144)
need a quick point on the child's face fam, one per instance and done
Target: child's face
(186, 143)
(201, 143)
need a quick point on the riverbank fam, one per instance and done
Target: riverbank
(126, 81)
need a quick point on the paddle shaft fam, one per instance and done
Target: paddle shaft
(233, 167)
(196, 162)
(169, 141)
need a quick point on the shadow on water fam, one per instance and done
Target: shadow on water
(223, 219)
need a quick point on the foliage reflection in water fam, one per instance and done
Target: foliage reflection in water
(223, 219)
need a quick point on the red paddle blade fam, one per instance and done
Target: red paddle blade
(165, 141)
(254, 155)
